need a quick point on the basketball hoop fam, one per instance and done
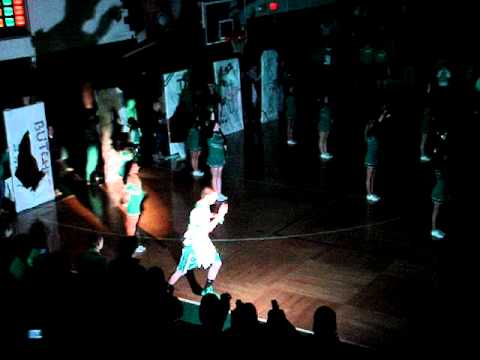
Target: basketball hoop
(238, 44)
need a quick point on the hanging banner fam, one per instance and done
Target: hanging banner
(271, 92)
(176, 87)
(30, 163)
(227, 78)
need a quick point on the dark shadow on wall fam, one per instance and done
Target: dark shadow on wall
(68, 33)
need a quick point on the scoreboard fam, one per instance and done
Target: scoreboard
(13, 18)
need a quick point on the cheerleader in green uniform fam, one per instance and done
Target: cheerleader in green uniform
(425, 126)
(439, 191)
(132, 198)
(290, 113)
(216, 159)
(371, 158)
(324, 125)
(198, 250)
(194, 146)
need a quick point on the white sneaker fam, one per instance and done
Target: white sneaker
(198, 173)
(140, 249)
(222, 197)
(373, 198)
(437, 234)
(291, 142)
(326, 156)
(424, 158)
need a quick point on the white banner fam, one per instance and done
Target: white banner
(227, 77)
(271, 96)
(30, 162)
(174, 85)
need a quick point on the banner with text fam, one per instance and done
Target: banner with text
(30, 162)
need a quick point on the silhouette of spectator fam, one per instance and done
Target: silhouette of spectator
(38, 258)
(278, 324)
(325, 328)
(157, 301)
(244, 321)
(21, 262)
(213, 313)
(156, 282)
(126, 294)
(91, 264)
(125, 268)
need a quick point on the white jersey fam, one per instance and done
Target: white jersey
(197, 237)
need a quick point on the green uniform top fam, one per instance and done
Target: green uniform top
(366, 55)
(325, 119)
(216, 150)
(439, 190)
(136, 195)
(193, 139)
(290, 106)
(381, 56)
(371, 157)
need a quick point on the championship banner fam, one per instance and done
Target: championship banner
(31, 183)
(175, 86)
(227, 77)
(271, 92)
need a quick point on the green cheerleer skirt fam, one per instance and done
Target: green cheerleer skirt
(193, 140)
(371, 158)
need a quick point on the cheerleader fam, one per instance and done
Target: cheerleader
(132, 198)
(324, 125)
(371, 158)
(216, 158)
(194, 146)
(425, 130)
(198, 250)
(291, 114)
(439, 191)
